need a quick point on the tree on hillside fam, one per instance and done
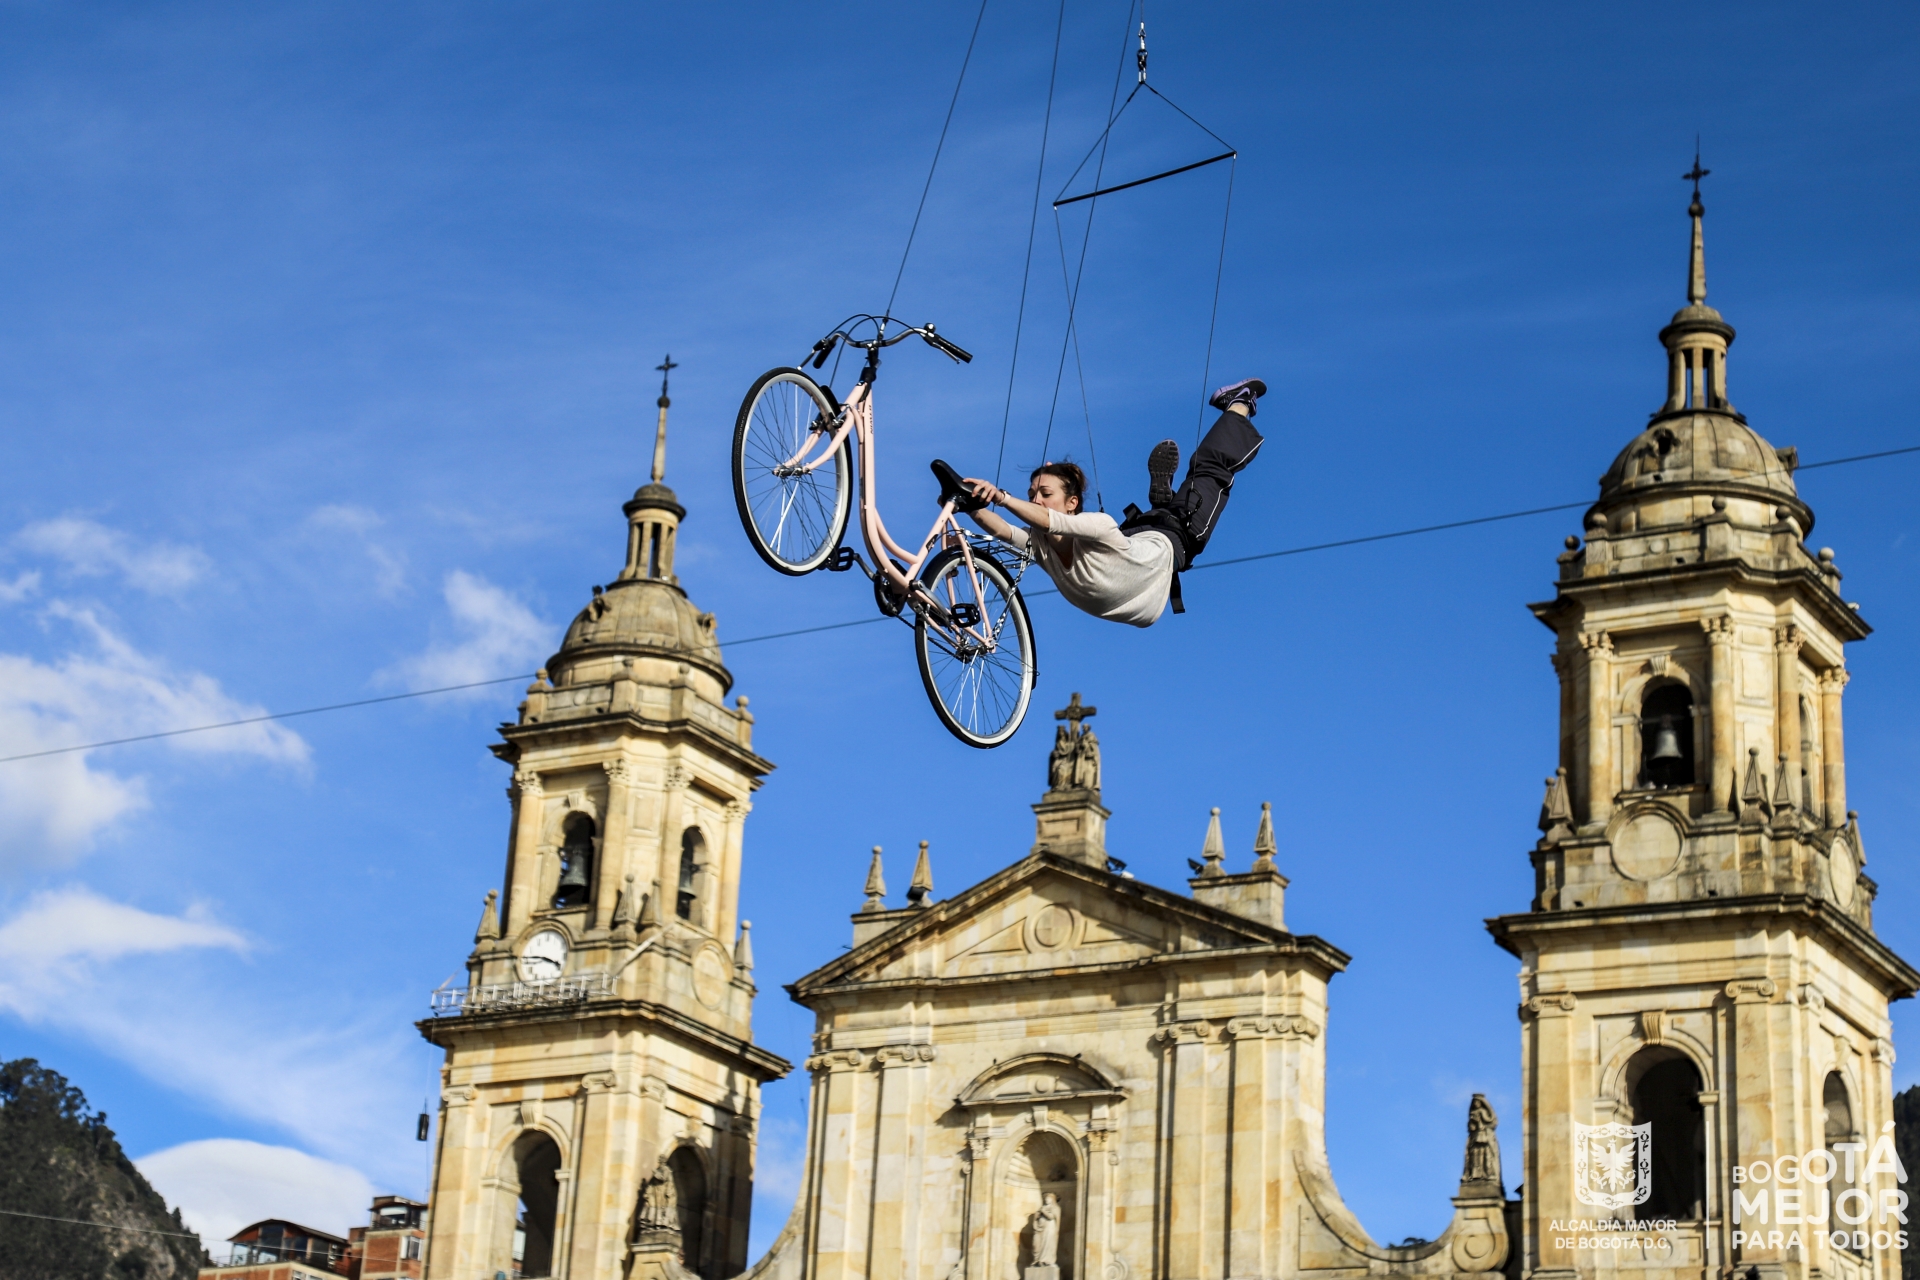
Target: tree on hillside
(59, 1160)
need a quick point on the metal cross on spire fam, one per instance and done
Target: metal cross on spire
(660, 434)
(1696, 173)
(665, 370)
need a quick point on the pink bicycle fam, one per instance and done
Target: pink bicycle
(793, 482)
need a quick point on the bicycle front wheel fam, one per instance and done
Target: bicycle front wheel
(978, 662)
(794, 513)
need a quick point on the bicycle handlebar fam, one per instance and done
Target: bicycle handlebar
(824, 348)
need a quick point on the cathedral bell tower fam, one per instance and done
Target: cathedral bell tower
(601, 1086)
(1706, 1050)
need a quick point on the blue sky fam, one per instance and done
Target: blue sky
(326, 347)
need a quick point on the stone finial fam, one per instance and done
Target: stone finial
(920, 892)
(743, 949)
(489, 928)
(1214, 851)
(1753, 791)
(649, 914)
(623, 911)
(1784, 796)
(876, 885)
(1263, 844)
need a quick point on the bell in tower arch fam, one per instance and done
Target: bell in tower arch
(576, 863)
(1666, 736)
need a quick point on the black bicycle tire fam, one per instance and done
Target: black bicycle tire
(843, 465)
(1017, 607)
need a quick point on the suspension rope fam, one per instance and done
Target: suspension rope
(1033, 223)
(937, 148)
(1073, 288)
(1213, 317)
(1306, 549)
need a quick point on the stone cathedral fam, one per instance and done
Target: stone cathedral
(1066, 1073)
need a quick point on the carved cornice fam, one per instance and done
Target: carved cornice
(838, 1060)
(901, 1055)
(1283, 1026)
(1548, 1005)
(1196, 1030)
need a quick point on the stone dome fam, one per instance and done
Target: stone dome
(1702, 449)
(643, 617)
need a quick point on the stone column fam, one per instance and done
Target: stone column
(597, 1222)
(1247, 1226)
(899, 1150)
(979, 1190)
(1599, 771)
(1833, 753)
(1748, 1096)
(845, 1164)
(529, 810)
(1569, 708)
(1548, 1064)
(1786, 697)
(1722, 763)
(611, 866)
(1185, 1045)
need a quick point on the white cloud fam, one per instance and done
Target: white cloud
(92, 549)
(52, 808)
(223, 1184)
(499, 636)
(778, 1164)
(20, 588)
(62, 933)
(137, 985)
(389, 566)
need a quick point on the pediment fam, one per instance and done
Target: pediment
(1044, 914)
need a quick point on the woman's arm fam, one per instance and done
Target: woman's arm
(993, 524)
(1031, 512)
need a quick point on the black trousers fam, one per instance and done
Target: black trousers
(1228, 447)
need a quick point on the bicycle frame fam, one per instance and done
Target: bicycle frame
(856, 418)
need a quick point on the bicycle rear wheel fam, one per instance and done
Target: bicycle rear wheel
(793, 517)
(978, 666)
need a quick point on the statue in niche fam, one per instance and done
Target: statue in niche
(1060, 762)
(1044, 1223)
(659, 1204)
(1483, 1150)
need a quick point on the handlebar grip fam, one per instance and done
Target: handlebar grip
(824, 348)
(939, 343)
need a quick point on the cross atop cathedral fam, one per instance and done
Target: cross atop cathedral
(1696, 173)
(1075, 712)
(666, 370)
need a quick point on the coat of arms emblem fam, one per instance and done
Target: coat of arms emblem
(1612, 1164)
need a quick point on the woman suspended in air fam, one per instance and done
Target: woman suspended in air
(1125, 572)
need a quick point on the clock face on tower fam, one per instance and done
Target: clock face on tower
(544, 957)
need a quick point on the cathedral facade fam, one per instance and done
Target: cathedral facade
(1065, 1073)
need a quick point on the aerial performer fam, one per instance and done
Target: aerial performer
(1126, 572)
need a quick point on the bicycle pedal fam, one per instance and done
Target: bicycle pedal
(840, 561)
(965, 615)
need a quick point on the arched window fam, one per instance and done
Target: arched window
(1666, 736)
(1839, 1129)
(693, 848)
(537, 1167)
(690, 1196)
(1665, 1091)
(576, 862)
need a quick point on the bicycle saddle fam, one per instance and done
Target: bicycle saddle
(953, 489)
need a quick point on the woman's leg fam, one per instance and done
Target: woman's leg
(1229, 446)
